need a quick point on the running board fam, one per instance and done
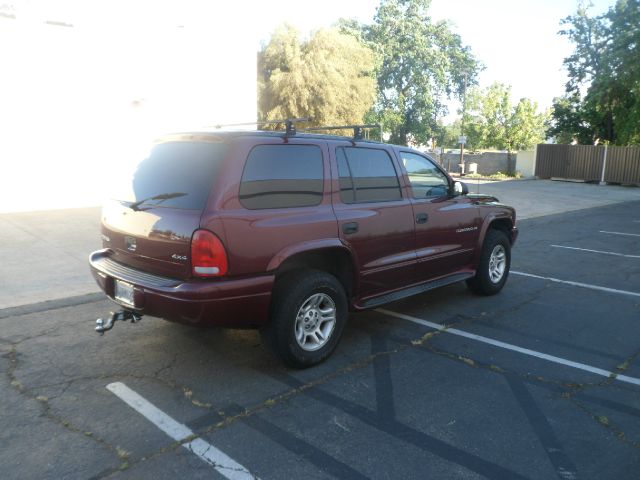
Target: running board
(409, 292)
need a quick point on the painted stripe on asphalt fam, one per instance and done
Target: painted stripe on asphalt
(224, 464)
(514, 348)
(597, 251)
(621, 233)
(578, 284)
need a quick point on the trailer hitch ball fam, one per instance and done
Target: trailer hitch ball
(124, 315)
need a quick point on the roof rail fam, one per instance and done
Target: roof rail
(289, 123)
(290, 127)
(357, 129)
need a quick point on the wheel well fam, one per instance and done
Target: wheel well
(335, 261)
(503, 225)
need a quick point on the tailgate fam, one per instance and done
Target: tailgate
(156, 240)
(156, 207)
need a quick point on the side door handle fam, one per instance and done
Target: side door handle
(422, 218)
(349, 228)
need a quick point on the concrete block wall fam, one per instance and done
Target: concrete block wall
(488, 163)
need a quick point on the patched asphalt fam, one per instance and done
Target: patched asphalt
(396, 400)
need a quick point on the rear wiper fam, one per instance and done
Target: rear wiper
(163, 196)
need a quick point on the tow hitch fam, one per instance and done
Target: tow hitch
(123, 315)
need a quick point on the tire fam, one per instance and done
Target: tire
(493, 268)
(308, 314)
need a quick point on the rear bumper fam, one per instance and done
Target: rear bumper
(233, 303)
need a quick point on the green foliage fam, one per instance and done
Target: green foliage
(603, 92)
(328, 78)
(447, 135)
(569, 120)
(526, 125)
(491, 121)
(420, 63)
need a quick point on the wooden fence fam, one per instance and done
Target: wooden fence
(589, 163)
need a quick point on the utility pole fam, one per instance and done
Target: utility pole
(463, 139)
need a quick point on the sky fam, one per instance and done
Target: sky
(516, 40)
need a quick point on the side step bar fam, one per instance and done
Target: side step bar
(410, 291)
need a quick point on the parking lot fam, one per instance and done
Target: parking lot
(541, 381)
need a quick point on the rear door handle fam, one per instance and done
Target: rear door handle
(422, 218)
(349, 228)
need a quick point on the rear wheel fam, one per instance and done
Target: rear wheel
(493, 268)
(308, 316)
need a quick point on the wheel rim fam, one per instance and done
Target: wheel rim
(315, 322)
(497, 263)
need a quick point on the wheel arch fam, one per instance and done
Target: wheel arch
(333, 258)
(501, 221)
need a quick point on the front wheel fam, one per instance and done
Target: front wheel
(308, 316)
(493, 268)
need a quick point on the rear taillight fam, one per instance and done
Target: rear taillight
(208, 256)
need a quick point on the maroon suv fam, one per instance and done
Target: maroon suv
(288, 232)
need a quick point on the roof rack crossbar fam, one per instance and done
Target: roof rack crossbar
(357, 129)
(263, 122)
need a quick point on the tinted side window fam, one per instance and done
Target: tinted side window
(282, 176)
(427, 181)
(366, 175)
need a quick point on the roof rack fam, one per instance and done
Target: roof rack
(291, 127)
(357, 129)
(289, 123)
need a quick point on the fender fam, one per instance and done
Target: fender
(505, 213)
(310, 246)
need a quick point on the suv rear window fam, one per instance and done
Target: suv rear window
(175, 174)
(282, 176)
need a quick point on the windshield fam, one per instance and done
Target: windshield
(174, 174)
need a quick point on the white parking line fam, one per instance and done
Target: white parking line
(621, 233)
(578, 284)
(514, 348)
(597, 251)
(224, 464)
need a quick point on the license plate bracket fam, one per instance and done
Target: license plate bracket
(124, 293)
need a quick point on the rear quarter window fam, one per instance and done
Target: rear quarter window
(366, 175)
(282, 176)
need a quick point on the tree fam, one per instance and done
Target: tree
(569, 120)
(526, 126)
(420, 64)
(491, 120)
(327, 78)
(447, 135)
(602, 98)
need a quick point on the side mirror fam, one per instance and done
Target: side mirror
(460, 188)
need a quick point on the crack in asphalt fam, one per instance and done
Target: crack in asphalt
(44, 402)
(570, 389)
(457, 321)
(10, 373)
(270, 403)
